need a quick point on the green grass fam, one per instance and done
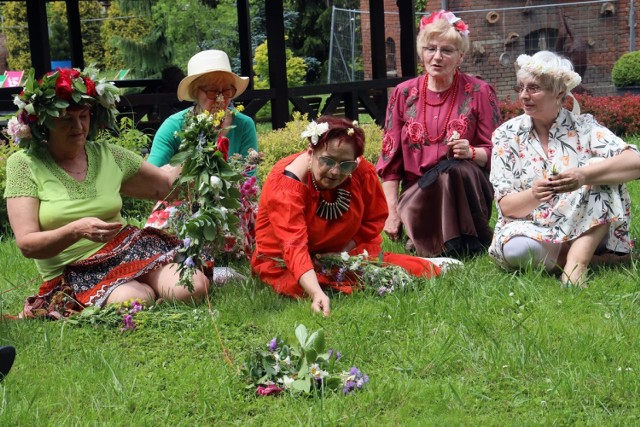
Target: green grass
(479, 346)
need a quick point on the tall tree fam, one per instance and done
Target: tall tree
(17, 32)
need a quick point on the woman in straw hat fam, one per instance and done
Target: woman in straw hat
(211, 85)
(559, 178)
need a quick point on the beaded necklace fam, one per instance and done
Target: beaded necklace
(452, 89)
(332, 210)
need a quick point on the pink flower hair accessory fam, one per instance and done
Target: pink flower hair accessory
(452, 19)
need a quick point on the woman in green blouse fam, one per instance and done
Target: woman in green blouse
(63, 201)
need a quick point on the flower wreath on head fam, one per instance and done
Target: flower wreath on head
(570, 78)
(314, 131)
(43, 100)
(452, 19)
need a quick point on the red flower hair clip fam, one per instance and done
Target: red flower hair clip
(452, 19)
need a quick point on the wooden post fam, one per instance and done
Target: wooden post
(75, 33)
(244, 38)
(407, 38)
(39, 36)
(378, 42)
(274, 13)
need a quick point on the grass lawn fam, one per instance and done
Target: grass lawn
(479, 346)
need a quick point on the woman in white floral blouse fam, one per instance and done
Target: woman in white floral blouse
(558, 178)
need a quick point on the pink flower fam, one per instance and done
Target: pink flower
(458, 125)
(18, 130)
(268, 389)
(387, 144)
(415, 131)
(462, 27)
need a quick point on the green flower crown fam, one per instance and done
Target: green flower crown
(43, 100)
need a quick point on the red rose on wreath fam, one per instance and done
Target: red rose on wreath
(63, 88)
(458, 126)
(223, 146)
(415, 131)
(387, 144)
(91, 86)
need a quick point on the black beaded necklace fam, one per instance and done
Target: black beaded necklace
(332, 210)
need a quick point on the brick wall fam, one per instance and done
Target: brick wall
(392, 36)
(495, 45)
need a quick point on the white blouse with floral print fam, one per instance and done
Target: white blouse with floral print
(518, 159)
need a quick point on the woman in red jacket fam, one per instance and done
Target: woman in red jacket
(324, 200)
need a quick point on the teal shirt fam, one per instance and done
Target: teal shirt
(166, 142)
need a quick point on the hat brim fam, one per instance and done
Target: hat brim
(240, 83)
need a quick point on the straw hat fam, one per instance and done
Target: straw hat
(205, 62)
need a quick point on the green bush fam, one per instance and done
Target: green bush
(279, 143)
(626, 70)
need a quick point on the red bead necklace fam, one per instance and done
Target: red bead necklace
(452, 89)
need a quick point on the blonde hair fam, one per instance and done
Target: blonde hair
(441, 29)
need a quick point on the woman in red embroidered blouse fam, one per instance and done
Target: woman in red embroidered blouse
(324, 200)
(437, 145)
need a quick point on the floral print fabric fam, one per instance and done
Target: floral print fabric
(518, 159)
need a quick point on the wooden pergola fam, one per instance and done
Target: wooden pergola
(368, 95)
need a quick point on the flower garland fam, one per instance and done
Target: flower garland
(300, 365)
(209, 187)
(452, 19)
(570, 78)
(43, 100)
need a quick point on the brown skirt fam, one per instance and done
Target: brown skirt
(449, 211)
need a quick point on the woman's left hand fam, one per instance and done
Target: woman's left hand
(461, 148)
(567, 181)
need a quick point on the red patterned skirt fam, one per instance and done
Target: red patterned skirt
(132, 253)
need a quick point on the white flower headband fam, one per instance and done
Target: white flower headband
(314, 131)
(570, 78)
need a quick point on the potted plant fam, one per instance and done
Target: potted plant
(626, 73)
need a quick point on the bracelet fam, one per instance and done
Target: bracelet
(473, 153)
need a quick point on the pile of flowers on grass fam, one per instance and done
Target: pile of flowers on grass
(215, 216)
(372, 274)
(300, 365)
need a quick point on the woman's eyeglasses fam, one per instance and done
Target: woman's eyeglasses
(531, 89)
(213, 94)
(444, 51)
(345, 167)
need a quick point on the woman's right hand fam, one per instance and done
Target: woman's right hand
(96, 230)
(542, 190)
(393, 225)
(320, 303)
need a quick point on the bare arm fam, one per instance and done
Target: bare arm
(320, 301)
(151, 182)
(393, 224)
(613, 170)
(34, 243)
(522, 203)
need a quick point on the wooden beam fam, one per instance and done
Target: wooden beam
(39, 36)
(75, 33)
(244, 36)
(274, 12)
(378, 42)
(407, 38)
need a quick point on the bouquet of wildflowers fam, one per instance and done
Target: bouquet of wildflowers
(209, 191)
(300, 365)
(372, 274)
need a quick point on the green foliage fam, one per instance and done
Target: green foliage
(626, 70)
(17, 33)
(296, 68)
(93, 49)
(279, 143)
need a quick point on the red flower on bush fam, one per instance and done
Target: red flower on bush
(223, 146)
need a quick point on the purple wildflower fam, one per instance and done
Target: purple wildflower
(128, 323)
(338, 354)
(189, 262)
(348, 387)
(135, 307)
(186, 242)
(273, 344)
(340, 274)
(354, 371)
